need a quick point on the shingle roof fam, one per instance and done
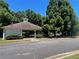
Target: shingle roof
(23, 26)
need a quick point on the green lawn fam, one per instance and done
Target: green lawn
(73, 57)
(2, 42)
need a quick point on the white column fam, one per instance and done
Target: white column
(3, 34)
(35, 34)
(21, 32)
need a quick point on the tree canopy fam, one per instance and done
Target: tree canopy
(60, 18)
(5, 15)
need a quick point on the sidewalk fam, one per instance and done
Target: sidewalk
(63, 55)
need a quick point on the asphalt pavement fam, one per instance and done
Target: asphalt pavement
(39, 50)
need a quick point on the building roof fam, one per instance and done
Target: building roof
(23, 26)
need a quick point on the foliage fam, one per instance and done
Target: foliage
(33, 17)
(77, 28)
(39, 36)
(61, 16)
(3, 4)
(13, 37)
(46, 30)
(5, 16)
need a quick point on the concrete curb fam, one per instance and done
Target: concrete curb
(63, 55)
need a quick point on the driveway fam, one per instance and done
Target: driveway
(39, 50)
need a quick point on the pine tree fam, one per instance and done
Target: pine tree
(63, 10)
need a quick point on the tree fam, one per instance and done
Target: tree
(18, 17)
(3, 4)
(5, 14)
(77, 27)
(61, 12)
(5, 17)
(46, 30)
(56, 25)
(32, 17)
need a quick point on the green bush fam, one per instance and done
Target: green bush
(13, 37)
(39, 36)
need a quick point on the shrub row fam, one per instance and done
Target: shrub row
(13, 37)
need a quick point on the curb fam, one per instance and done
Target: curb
(63, 55)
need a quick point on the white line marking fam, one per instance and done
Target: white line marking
(26, 53)
(23, 54)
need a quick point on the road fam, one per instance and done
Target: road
(38, 50)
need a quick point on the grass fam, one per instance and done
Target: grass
(4, 42)
(73, 57)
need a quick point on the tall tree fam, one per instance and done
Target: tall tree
(5, 15)
(64, 12)
(3, 4)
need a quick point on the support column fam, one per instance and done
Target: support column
(35, 34)
(3, 34)
(21, 32)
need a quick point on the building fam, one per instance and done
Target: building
(16, 29)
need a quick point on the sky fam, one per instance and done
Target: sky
(38, 6)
